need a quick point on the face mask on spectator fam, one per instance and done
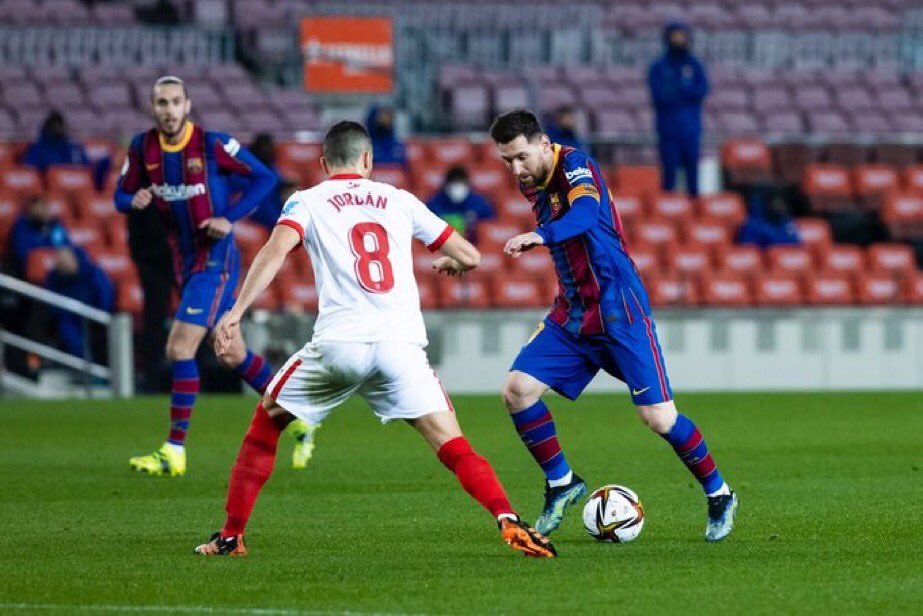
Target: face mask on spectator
(457, 191)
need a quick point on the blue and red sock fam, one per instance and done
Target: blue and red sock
(689, 445)
(182, 398)
(538, 433)
(255, 370)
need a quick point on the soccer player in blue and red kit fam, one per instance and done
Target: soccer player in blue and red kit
(183, 171)
(601, 319)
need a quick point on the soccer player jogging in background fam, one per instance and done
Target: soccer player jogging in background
(601, 319)
(183, 171)
(369, 335)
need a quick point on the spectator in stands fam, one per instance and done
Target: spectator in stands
(678, 85)
(387, 149)
(563, 128)
(769, 224)
(458, 205)
(268, 211)
(54, 146)
(34, 228)
(75, 276)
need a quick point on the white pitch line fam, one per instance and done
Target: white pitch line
(186, 609)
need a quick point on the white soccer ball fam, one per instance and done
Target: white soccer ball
(613, 513)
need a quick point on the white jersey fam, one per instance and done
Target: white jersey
(359, 233)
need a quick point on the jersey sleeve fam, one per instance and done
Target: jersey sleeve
(583, 197)
(427, 227)
(133, 177)
(235, 160)
(296, 214)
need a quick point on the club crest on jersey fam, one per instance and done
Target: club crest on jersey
(555, 203)
(288, 207)
(580, 173)
(194, 165)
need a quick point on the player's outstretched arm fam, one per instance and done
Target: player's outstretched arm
(460, 255)
(265, 266)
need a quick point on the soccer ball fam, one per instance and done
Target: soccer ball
(613, 513)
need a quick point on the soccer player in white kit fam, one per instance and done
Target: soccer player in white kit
(369, 335)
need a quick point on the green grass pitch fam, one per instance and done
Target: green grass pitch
(831, 513)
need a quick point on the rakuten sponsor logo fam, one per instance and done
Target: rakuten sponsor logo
(169, 192)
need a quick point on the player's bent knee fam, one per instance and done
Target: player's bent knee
(518, 394)
(658, 417)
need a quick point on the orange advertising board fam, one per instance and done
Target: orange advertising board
(348, 54)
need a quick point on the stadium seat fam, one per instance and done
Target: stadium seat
(60, 208)
(709, 231)
(72, 181)
(491, 262)
(490, 180)
(9, 210)
(667, 289)
(814, 233)
(842, 258)
(746, 261)
(268, 299)
(746, 161)
(725, 289)
(429, 295)
(515, 291)
(647, 259)
(118, 266)
(672, 206)
(21, 182)
(913, 179)
(790, 161)
(493, 236)
(395, 175)
(298, 295)
(727, 207)
(250, 237)
(301, 158)
(688, 260)
(423, 260)
(428, 179)
(129, 297)
(790, 259)
(778, 289)
(873, 183)
(468, 292)
(637, 179)
(451, 151)
(536, 262)
(903, 215)
(656, 232)
(829, 289)
(415, 151)
(877, 288)
(629, 206)
(38, 264)
(913, 290)
(91, 238)
(897, 259)
(828, 188)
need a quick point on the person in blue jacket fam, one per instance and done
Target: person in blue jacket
(54, 146)
(563, 128)
(769, 225)
(678, 85)
(34, 228)
(387, 149)
(458, 205)
(75, 276)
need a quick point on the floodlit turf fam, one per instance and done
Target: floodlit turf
(831, 513)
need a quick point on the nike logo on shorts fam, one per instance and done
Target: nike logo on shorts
(638, 392)
(195, 310)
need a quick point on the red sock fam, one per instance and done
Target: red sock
(251, 470)
(476, 475)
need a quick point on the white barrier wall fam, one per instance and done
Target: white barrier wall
(759, 350)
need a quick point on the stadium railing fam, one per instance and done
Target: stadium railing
(119, 373)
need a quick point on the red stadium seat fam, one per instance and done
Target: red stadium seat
(301, 158)
(72, 181)
(778, 289)
(874, 182)
(299, 295)
(913, 179)
(21, 182)
(492, 262)
(451, 151)
(843, 259)
(471, 291)
(829, 289)
(268, 299)
(815, 233)
(9, 210)
(429, 295)
(672, 206)
(913, 289)
(39, 263)
(878, 288)
(722, 289)
(512, 291)
(129, 297)
(709, 231)
(428, 179)
(91, 238)
(745, 261)
(903, 214)
(629, 206)
(727, 207)
(668, 289)
(898, 259)
(494, 235)
(60, 208)
(118, 266)
(491, 180)
(656, 232)
(250, 237)
(646, 258)
(97, 207)
(536, 262)
(395, 175)
(746, 161)
(792, 259)
(828, 187)
(690, 260)
(415, 150)
(7, 155)
(516, 210)
(423, 260)
(637, 179)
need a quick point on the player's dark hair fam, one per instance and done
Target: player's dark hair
(345, 142)
(170, 80)
(514, 123)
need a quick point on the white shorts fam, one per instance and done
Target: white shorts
(394, 378)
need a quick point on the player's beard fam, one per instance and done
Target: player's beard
(161, 126)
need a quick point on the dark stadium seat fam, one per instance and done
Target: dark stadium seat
(129, 297)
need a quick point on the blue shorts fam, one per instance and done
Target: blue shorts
(206, 296)
(567, 363)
